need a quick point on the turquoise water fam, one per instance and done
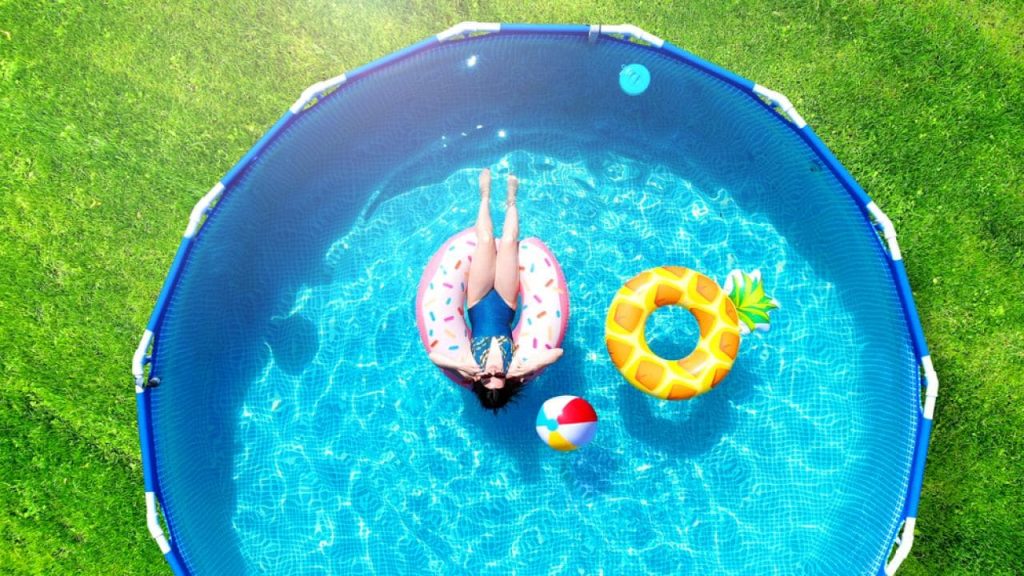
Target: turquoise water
(300, 429)
(359, 456)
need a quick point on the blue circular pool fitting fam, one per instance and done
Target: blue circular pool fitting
(634, 79)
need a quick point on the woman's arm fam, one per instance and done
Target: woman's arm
(538, 361)
(464, 364)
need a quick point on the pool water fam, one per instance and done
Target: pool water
(300, 413)
(359, 456)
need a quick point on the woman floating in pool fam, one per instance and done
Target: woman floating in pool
(494, 366)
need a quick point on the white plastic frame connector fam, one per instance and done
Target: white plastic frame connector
(888, 230)
(201, 209)
(903, 550)
(931, 391)
(464, 28)
(153, 522)
(139, 362)
(631, 31)
(780, 100)
(316, 90)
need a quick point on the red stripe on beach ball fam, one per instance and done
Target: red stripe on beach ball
(577, 411)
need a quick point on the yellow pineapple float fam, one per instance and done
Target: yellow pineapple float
(723, 315)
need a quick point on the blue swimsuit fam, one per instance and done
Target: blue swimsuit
(490, 318)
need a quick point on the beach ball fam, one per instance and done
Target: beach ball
(566, 422)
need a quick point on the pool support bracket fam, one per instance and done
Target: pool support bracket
(785, 106)
(888, 230)
(466, 28)
(317, 91)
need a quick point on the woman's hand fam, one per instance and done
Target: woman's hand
(465, 366)
(555, 353)
(469, 370)
(540, 360)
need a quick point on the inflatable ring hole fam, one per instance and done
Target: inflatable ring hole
(672, 332)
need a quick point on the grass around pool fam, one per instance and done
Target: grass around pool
(116, 117)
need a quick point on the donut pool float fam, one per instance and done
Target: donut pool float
(718, 312)
(543, 311)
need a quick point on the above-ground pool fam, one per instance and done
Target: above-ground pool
(291, 422)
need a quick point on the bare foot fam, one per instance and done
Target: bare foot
(513, 186)
(485, 183)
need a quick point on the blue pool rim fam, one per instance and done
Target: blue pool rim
(873, 217)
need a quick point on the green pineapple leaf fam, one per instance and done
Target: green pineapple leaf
(752, 304)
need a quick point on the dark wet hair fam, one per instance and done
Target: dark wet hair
(496, 398)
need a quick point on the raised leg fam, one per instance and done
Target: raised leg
(506, 274)
(481, 269)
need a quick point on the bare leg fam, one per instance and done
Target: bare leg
(481, 270)
(506, 275)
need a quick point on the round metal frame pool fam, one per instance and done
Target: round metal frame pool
(338, 146)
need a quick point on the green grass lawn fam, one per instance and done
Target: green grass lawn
(115, 117)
